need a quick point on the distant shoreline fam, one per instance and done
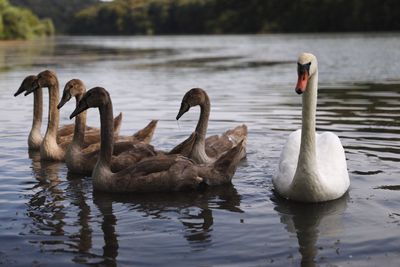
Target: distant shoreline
(20, 41)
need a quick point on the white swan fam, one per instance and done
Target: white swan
(312, 166)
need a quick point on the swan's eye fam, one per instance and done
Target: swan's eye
(301, 68)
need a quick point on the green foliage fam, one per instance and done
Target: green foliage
(128, 17)
(236, 16)
(20, 23)
(61, 12)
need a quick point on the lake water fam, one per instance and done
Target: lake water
(48, 217)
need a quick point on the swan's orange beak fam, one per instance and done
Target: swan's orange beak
(302, 82)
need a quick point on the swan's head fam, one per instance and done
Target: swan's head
(74, 87)
(306, 67)
(26, 84)
(193, 97)
(94, 98)
(46, 78)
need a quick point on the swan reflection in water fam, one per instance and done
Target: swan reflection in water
(65, 218)
(45, 205)
(194, 210)
(56, 205)
(310, 222)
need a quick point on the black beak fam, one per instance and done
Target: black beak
(65, 98)
(20, 90)
(184, 108)
(299, 91)
(81, 107)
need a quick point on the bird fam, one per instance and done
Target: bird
(207, 150)
(82, 160)
(53, 146)
(312, 166)
(35, 137)
(153, 174)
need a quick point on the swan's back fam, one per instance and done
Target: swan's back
(332, 166)
(217, 145)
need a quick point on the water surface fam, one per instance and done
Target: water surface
(49, 217)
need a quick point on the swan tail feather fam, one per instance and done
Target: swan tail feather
(145, 135)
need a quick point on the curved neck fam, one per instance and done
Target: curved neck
(54, 113)
(107, 136)
(307, 156)
(202, 124)
(37, 110)
(80, 126)
(199, 147)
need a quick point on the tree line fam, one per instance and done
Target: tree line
(21, 23)
(61, 12)
(128, 17)
(236, 16)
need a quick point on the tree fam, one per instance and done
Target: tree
(20, 23)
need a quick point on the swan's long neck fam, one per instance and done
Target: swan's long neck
(306, 176)
(107, 129)
(202, 124)
(54, 113)
(308, 147)
(201, 130)
(37, 110)
(80, 126)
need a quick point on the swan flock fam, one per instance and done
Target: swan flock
(312, 166)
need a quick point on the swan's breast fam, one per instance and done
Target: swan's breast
(49, 150)
(34, 139)
(288, 162)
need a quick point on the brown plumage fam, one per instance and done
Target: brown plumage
(210, 149)
(35, 137)
(82, 160)
(158, 173)
(52, 147)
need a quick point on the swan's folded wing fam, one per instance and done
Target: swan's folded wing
(331, 162)
(66, 130)
(132, 156)
(157, 174)
(221, 171)
(216, 145)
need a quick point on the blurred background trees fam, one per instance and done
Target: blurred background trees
(21, 23)
(61, 12)
(236, 16)
(128, 17)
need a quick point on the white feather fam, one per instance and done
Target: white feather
(321, 174)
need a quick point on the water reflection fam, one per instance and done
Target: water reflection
(32, 51)
(249, 78)
(62, 213)
(194, 210)
(77, 190)
(310, 222)
(46, 204)
(108, 224)
(50, 205)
